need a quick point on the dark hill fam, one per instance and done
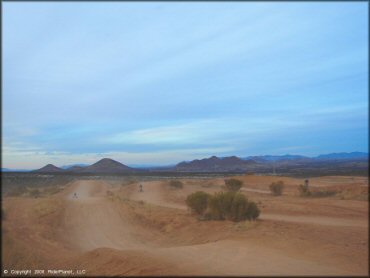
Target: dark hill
(106, 165)
(215, 164)
(50, 168)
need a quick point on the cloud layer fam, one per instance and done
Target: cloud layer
(163, 82)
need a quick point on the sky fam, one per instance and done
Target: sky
(158, 83)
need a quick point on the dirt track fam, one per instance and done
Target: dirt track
(105, 239)
(96, 224)
(152, 194)
(93, 222)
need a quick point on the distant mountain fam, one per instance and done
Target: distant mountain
(262, 158)
(352, 155)
(106, 165)
(287, 157)
(74, 169)
(215, 164)
(149, 166)
(354, 162)
(73, 165)
(50, 168)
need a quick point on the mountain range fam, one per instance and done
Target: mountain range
(330, 156)
(262, 164)
(215, 164)
(103, 166)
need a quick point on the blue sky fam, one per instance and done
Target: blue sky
(159, 83)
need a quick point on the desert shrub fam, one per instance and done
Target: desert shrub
(304, 191)
(277, 188)
(233, 184)
(198, 202)
(239, 208)
(232, 206)
(228, 205)
(252, 211)
(176, 184)
(220, 205)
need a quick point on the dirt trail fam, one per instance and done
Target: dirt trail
(92, 222)
(153, 194)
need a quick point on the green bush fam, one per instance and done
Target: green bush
(232, 206)
(176, 184)
(239, 208)
(233, 184)
(228, 205)
(198, 202)
(277, 188)
(252, 211)
(220, 205)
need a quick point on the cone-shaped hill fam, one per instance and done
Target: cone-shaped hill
(106, 165)
(50, 168)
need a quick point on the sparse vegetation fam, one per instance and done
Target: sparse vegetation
(233, 185)
(176, 184)
(232, 206)
(229, 205)
(220, 205)
(305, 192)
(198, 202)
(21, 185)
(16, 191)
(277, 188)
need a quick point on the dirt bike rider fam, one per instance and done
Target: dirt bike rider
(141, 187)
(75, 195)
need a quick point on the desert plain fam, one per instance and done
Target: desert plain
(106, 226)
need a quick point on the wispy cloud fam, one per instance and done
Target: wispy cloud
(166, 78)
(31, 158)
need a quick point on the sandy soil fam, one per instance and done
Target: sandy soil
(109, 229)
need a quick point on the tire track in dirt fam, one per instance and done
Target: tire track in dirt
(92, 222)
(152, 194)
